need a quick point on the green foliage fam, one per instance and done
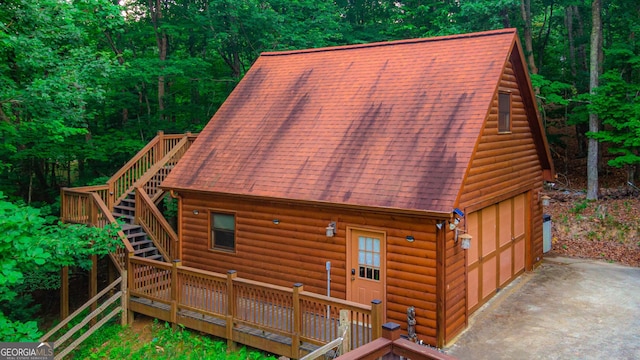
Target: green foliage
(618, 104)
(166, 343)
(580, 207)
(32, 249)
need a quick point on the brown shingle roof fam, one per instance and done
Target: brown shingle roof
(385, 125)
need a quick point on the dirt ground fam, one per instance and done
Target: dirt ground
(607, 229)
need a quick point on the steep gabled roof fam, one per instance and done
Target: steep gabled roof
(384, 125)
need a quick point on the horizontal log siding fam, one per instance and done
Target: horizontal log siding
(502, 163)
(455, 288)
(296, 250)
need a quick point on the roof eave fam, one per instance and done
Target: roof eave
(438, 215)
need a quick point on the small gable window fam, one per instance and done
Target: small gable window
(223, 231)
(504, 112)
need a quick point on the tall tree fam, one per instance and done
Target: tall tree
(594, 124)
(525, 8)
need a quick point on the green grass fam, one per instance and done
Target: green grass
(161, 342)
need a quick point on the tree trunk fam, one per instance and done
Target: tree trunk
(594, 126)
(525, 8)
(568, 22)
(162, 43)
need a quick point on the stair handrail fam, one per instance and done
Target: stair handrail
(172, 157)
(122, 181)
(121, 253)
(158, 229)
(120, 295)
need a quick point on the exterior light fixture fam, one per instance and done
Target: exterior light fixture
(331, 229)
(465, 241)
(545, 200)
(276, 221)
(410, 238)
(454, 224)
(196, 212)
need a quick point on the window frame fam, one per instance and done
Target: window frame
(212, 243)
(501, 128)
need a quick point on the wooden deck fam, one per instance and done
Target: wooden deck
(283, 321)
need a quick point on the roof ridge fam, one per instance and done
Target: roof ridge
(391, 43)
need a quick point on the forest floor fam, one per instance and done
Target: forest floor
(606, 229)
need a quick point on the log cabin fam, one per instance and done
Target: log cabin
(405, 171)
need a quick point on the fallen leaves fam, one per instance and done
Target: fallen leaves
(607, 229)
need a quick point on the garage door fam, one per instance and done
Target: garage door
(497, 253)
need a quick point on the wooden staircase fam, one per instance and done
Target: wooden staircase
(131, 196)
(142, 245)
(128, 200)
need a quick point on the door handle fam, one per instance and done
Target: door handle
(353, 274)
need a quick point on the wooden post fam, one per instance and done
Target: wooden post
(376, 319)
(64, 293)
(111, 198)
(160, 154)
(93, 211)
(297, 320)
(344, 331)
(63, 205)
(93, 284)
(124, 300)
(129, 279)
(175, 293)
(231, 310)
(391, 331)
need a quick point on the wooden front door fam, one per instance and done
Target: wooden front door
(497, 254)
(366, 270)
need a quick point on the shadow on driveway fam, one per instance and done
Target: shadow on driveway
(564, 309)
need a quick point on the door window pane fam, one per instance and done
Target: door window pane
(369, 259)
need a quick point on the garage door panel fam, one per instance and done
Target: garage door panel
(472, 229)
(505, 218)
(489, 272)
(473, 287)
(488, 241)
(505, 265)
(519, 255)
(519, 215)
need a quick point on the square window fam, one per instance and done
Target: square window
(223, 231)
(504, 112)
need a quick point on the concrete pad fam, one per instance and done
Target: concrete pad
(564, 309)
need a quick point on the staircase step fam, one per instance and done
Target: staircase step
(127, 219)
(155, 257)
(130, 229)
(142, 244)
(125, 209)
(150, 250)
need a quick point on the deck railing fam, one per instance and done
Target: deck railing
(87, 208)
(391, 345)
(243, 311)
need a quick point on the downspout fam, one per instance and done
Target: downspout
(328, 267)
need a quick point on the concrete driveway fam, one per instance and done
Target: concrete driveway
(565, 309)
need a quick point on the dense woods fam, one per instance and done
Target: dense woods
(84, 84)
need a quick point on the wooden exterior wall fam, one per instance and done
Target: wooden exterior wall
(503, 166)
(296, 250)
